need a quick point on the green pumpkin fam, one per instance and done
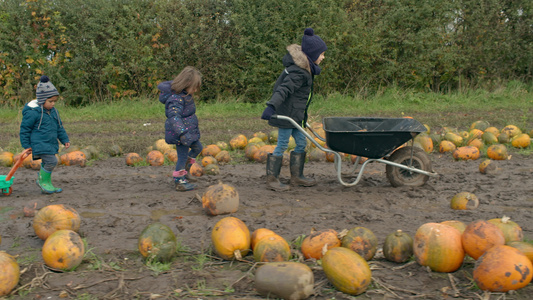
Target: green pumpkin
(158, 242)
(398, 247)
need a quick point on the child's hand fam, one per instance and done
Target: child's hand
(268, 112)
(67, 145)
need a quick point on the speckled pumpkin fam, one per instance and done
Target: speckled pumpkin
(446, 146)
(220, 199)
(398, 247)
(497, 152)
(133, 158)
(346, 270)
(524, 247)
(466, 153)
(9, 273)
(230, 238)
(63, 250)
(155, 158)
(55, 217)
(157, 242)
(502, 268)
(464, 200)
(439, 247)
(361, 240)
(272, 248)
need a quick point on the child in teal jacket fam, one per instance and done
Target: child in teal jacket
(40, 130)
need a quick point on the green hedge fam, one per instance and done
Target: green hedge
(100, 50)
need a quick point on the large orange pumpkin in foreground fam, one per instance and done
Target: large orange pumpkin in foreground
(314, 244)
(9, 273)
(346, 270)
(63, 250)
(502, 268)
(231, 238)
(55, 217)
(439, 247)
(524, 247)
(479, 236)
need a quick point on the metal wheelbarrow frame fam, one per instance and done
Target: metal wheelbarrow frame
(379, 140)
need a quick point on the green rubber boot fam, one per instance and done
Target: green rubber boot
(45, 182)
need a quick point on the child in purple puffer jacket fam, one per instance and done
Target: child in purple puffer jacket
(181, 126)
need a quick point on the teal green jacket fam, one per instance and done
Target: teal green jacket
(41, 129)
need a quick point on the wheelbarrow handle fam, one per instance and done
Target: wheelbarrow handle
(17, 164)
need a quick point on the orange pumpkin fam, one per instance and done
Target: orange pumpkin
(210, 150)
(250, 150)
(398, 247)
(30, 163)
(524, 247)
(446, 146)
(155, 158)
(238, 142)
(464, 200)
(466, 153)
(9, 273)
(222, 145)
(263, 136)
(258, 234)
(260, 156)
(362, 241)
(196, 170)
(55, 217)
(63, 250)
(272, 248)
(497, 152)
(314, 244)
(284, 280)
(502, 268)
(171, 155)
(208, 160)
(220, 199)
(74, 158)
(6, 159)
(455, 224)
(346, 270)
(439, 247)
(426, 143)
(511, 231)
(230, 238)
(475, 134)
(522, 140)
(479, 236)
(223, 157)
(488, 167)
(492, 130)
(478, 143)
(133, 158)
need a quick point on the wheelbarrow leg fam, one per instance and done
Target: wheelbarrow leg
(273, 167)
(297, 161)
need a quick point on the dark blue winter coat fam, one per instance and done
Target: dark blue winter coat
(181, 126)
(40, 129)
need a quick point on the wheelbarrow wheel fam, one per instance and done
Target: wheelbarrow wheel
(402, 177)
(8, 192)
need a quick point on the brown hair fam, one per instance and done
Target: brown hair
(189, 77)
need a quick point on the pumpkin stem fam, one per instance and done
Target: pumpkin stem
(342, 234)
(237, 254)
(505, 219)
(399, 232)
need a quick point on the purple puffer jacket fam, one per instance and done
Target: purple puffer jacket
(181, 126)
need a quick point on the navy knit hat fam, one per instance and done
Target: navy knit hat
(45, 89)
(312, 45)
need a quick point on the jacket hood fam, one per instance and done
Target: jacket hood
(166, 90)
(298, 57)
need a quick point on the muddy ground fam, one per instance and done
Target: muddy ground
(116, 202)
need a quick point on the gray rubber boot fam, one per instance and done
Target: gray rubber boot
(273, 167)
(296, 165)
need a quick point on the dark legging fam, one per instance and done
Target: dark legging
(49, 162)
(185, 152)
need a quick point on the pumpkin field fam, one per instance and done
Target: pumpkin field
(128, 234)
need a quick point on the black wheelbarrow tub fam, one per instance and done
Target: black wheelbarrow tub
(369, 137)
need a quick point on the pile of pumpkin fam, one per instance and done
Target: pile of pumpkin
(63, 249)
(74, 156)
(480, 138)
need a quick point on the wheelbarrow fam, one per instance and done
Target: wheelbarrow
(378, 139)
(7, 180)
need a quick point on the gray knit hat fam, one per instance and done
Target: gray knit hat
(312, 45)
(45, 89)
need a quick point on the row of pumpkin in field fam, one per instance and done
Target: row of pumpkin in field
(468, 145)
